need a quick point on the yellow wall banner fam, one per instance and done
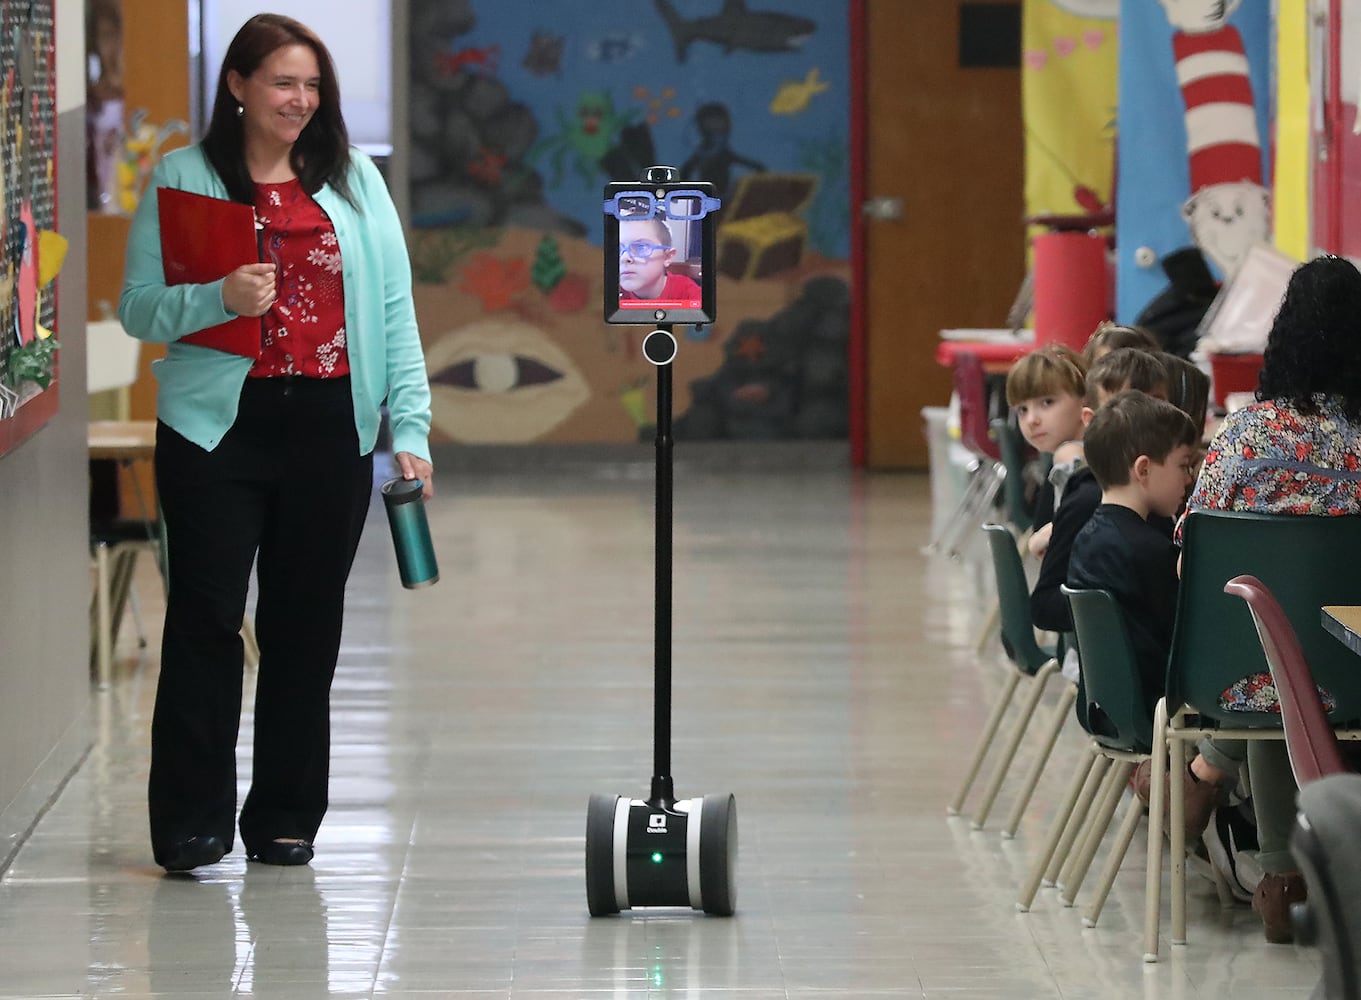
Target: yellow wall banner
(1068, 97)
(1293, 160)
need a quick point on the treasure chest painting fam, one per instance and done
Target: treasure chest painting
(763, 231)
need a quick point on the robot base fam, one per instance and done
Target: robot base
(644, 854)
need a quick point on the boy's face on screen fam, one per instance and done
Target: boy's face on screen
(643, 257)
(1048, 421)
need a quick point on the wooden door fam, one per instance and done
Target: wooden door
(946, 139)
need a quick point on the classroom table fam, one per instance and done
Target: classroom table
(998, 349)
(1343, 622)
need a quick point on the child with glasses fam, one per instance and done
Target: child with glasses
(645, 251)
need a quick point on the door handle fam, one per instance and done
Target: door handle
(884, 208)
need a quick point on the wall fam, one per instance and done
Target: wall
(44, 638)
(1193, 154)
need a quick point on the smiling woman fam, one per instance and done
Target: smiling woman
(267, 459)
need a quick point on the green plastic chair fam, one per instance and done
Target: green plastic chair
(1029, 660)
(1012, 447)
(1307, 562)
(1121, 727)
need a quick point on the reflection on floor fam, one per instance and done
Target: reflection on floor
(825, 674)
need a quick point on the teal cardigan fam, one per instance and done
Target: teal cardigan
(198, 387)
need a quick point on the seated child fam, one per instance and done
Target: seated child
(1045, 390)
(1188, 388)
(1140, 450)
(1116, 372)
(1110, 336)
(645, 250)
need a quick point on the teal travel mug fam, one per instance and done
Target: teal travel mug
(410, 532)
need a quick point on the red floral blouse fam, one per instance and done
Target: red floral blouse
(304, 331)
(1272, 459)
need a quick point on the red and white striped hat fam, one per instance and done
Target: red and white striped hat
(1222, 141)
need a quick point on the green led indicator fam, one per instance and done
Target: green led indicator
(657, 857)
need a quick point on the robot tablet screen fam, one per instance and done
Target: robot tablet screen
(659, 252)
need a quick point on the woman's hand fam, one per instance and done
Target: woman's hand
(249, 290)
(417, 468)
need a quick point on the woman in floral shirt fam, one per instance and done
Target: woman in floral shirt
(1295, 451)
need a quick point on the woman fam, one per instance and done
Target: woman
(271, 460)
(1295, 451)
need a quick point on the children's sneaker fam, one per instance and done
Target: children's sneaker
(1227, 837)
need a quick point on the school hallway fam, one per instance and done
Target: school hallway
(825, 673)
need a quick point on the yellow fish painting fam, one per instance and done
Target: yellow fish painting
(794, 96)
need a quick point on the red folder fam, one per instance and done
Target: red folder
(204, 239)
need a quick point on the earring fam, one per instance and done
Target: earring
(240, 111)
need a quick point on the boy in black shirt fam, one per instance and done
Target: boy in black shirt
(1141, 451)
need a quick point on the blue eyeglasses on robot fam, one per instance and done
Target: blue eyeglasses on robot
(683, 205)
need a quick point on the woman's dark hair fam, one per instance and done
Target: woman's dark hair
(1313, 345)
(322, 153)
(1188, 388)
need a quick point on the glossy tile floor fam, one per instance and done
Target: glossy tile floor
(825, 674)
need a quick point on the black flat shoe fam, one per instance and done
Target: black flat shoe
(193, 853)
(285, 852)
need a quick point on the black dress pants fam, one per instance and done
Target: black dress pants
(286, 489)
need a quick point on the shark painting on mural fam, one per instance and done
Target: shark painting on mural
(736, 27)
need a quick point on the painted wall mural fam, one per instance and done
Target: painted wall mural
(1196, 190)
(1068, 95)
(519, 115)
(33, 251)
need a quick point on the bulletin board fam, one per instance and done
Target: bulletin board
(32, 251)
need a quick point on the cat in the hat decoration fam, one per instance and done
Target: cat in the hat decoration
(1229, 209)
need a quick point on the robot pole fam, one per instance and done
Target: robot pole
(663, 789)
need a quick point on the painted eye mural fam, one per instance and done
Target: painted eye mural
(504, 378)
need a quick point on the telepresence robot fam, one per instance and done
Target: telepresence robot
(660, 851)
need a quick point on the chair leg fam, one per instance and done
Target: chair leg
(124, 559)
(1153, 875)
(1133, 813)
(135, 606)
(1078, 844)
(1086, 763)
(1177, 820)
(978, 511)
(249, 644)
(103, 642)
(1018, 733)
(1116, 780)
(989, 626)
(1077, 823)
(990, 729)
(959, 515)
(1042, 754)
